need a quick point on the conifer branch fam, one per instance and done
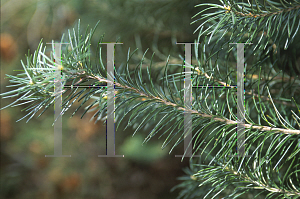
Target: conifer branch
(186, 110)
(272, 137)
(202, 176)
(264, 14)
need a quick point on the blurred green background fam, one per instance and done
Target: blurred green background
(146, 171)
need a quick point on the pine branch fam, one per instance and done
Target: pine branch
(273, 138)
(264, 14)
(204, 176)
(186, 110)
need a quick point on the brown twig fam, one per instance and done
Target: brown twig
(186, 110)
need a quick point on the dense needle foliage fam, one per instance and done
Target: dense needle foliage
(151, 98)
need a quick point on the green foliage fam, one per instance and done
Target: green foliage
(154, 102)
